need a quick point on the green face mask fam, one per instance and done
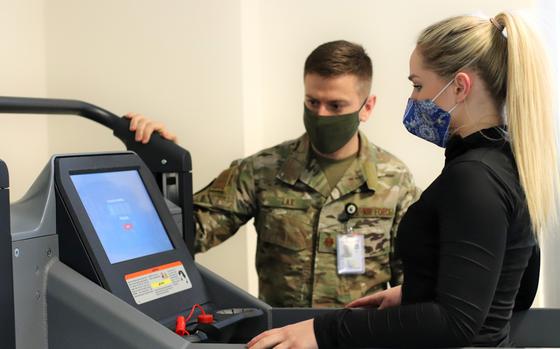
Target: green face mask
(330, 133)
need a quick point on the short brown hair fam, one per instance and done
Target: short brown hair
(338, 58)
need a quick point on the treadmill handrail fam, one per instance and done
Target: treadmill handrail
(25, 105)
(176, 158)
(160, 155)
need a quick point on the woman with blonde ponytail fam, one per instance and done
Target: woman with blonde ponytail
(480, 90)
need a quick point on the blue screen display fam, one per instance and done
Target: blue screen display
(122, 214)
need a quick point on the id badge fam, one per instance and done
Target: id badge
(350, 253)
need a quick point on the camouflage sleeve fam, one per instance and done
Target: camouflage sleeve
(224, 205)
(409, 193)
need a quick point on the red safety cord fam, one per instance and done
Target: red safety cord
(181, 322)
(192, 311)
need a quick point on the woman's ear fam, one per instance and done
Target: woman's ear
(462, 86)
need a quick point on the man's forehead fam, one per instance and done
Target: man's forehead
(342, 87)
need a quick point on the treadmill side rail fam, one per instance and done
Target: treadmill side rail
(7, 334)
(83, 315)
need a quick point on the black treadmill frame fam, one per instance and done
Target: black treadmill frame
(7, 319)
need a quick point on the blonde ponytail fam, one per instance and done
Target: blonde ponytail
(530, 120)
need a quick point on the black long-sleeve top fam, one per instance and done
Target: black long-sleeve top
(465, 245)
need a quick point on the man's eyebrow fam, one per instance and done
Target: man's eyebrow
(338, 101)
(330, 101)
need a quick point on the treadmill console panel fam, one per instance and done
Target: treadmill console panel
(116, 225)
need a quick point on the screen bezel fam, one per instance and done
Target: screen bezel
(110, 275)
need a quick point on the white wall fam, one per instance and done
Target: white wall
(253, 116)
(549, 287)
(23, 138)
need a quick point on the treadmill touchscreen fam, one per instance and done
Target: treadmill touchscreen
(122, 214)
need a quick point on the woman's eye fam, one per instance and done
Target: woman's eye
(417, 87)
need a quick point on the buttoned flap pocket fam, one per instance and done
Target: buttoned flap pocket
(376, 231)
(373, 222)
(376, 238)
(285, 221)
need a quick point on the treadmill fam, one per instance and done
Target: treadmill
(99, 254)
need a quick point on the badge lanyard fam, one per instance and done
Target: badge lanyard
(350, 248)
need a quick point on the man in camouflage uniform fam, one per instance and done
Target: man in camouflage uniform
(298, 191)
(297, 220)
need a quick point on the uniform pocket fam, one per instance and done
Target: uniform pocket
(285, 222)
(377, 234)
(376, 231)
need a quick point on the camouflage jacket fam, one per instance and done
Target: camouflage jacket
(297, 220)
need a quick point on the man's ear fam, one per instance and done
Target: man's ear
(462, 86)
(367, 110)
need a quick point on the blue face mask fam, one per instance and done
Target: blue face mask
(428, 121)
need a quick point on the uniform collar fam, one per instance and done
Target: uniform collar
(368, 162)
(300, 165)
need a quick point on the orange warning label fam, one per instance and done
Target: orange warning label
(157, 282)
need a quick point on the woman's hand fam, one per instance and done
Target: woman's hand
(144, 128)
(297, 336)
(383, 299)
